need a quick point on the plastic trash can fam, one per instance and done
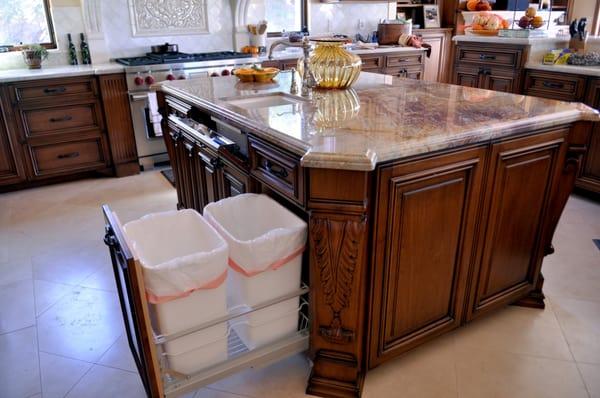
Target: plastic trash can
(184, 263)
(266, 242)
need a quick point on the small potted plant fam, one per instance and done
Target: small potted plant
(34, 54)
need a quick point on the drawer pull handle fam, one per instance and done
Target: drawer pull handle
(56, 90)
(69, 155)
(553, 85)
(276, 170)
(61, 119)
(485, 57)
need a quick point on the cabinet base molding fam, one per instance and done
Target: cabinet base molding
(535, 299)
(332, 362)
(127, 169)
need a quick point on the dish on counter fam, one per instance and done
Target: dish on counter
(256, 74)
(471, 31)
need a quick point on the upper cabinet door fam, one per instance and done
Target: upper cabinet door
(426, 211)
(519, 188)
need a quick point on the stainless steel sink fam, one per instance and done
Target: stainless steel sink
(264, 100)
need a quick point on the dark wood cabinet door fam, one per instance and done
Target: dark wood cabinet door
(11, 169)
(233, 181)
(469, 77)
(210, 164)
(520, 185)
(426, 213)
(499, 82)
(589, 177)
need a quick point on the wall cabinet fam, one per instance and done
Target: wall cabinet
(499, 69)
(571, 87)
(64, 127)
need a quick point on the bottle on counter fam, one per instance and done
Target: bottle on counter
(86, 58)
(72, 51)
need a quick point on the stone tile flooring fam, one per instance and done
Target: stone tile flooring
(61, 332)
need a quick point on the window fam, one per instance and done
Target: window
(282, 15)
(27, 22)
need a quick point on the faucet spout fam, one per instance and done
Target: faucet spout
(308, 77)
(284, 43)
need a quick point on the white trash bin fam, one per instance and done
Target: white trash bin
(184, 262)
(266, 242)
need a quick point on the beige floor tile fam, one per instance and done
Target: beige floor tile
(19, 365)
(575, 277)
(119, 356)
(208, 393)
(82, 325)
(48, 293)
(580, 321)
(286, 378)
(59, 374)
(482, 373)
(103, 278)
(15, 270)
(17, 308)
(71, 266)
(591, 377)
(427, 371)
(517, 330)
(103, 382)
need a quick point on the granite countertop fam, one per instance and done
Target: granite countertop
(297, 53)
(48, 72)
(381, 118)
(573, 69)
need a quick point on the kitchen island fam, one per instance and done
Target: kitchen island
(428, 204)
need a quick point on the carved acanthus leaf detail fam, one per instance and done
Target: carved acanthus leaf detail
(336, 246)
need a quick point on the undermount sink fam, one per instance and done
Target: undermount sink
(264, 100)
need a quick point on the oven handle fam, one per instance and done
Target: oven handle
(138, 97)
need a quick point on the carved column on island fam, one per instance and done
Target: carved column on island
(338, 240)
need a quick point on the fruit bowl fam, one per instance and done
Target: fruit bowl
(481, 32)
(256, 74)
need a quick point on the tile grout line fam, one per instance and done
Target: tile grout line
(562, 331)
(37, 340)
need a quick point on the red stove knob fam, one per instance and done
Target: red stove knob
(150, 80)
(214, 74)
(225, 72)
(138, 81)
(170, 76)
(182, 77)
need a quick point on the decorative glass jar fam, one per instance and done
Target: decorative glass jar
(332, 65)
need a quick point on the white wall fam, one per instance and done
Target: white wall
(118, 40)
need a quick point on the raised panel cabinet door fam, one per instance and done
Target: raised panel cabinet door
(499, 82)
(518, 191)
(468, 77)
(11, 169)
(234, 182)
(192, 193)
(589, 177)
(433, 64)
(211, 177)
(426, 214)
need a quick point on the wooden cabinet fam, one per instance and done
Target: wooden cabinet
(571, 87)
(63, 127)
(437, 64)
(398, 64)
(522, 172)
(499, 69)
(11, 168)
(426, 212)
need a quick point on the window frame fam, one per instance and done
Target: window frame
(303, 20)
(52, 45)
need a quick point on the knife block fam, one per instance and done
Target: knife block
(578, 45)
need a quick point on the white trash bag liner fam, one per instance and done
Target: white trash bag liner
(266, 242)
(184, 263)
(179, 252)
(262, 235)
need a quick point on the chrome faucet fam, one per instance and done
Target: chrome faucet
(308, 78)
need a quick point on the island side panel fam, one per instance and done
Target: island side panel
(338, 238)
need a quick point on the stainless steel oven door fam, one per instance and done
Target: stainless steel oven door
(151, 148)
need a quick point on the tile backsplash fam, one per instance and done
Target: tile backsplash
(118, 40)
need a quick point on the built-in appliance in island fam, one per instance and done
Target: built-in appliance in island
(154, 67)
(428, 205)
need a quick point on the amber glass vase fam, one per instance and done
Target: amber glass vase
(333, 66)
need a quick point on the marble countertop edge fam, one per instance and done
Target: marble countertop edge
(51, 72)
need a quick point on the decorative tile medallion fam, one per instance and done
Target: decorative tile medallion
(168, 17)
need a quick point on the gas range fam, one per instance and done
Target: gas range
(146, 70)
